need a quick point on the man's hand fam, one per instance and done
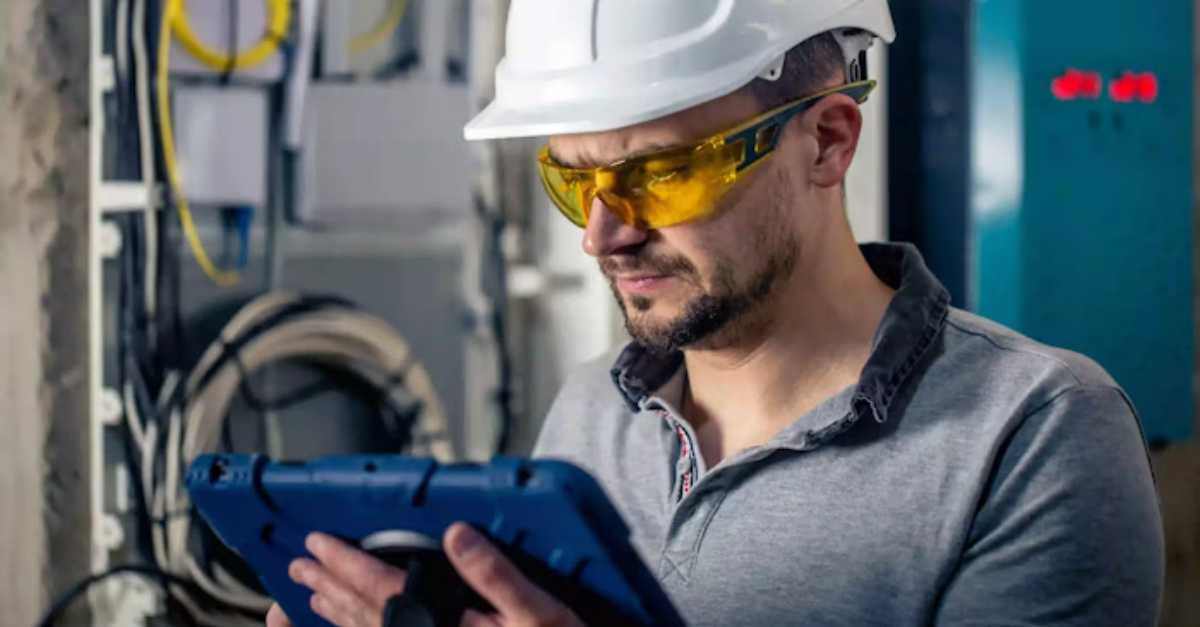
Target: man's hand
(350, 587)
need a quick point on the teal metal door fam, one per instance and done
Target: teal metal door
(1082, 195)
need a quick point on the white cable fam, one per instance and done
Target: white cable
(210, 618)
(342, 338)
(334, 335)
(148, 459)
(167, 392)
(131, 415)
(145, 437)
(141, 59)
(122, 37)
(300, 77)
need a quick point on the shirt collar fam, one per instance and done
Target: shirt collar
(912, 321)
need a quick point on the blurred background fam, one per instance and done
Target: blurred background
(253, 225)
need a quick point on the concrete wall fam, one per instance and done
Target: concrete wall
(43, 329)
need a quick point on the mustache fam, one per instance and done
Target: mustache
(662, 265)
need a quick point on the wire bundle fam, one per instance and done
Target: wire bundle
(274, 328)
(171, 420)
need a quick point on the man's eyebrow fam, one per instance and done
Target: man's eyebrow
(587, 163)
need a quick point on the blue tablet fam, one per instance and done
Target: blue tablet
(551, 518)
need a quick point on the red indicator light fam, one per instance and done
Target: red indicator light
(1132, 86)
(1093, 85)
(1124, 89)
(1129, 87)
(1148, 87)
(1065, 87)
(1075, 84)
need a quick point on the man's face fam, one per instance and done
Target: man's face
(700, 284)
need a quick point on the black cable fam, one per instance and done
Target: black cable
(496, 224)
(398, 420)
(234, 26)
(171, 338)
(230, 348)
(172, 341)
(130, 344)
(153, 573)
(132, 362)
(124, 126)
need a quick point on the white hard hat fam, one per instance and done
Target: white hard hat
(577, 66)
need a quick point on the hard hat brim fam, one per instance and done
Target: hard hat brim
(590, 115)
(500, 122)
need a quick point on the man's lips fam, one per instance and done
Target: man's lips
(642, 283)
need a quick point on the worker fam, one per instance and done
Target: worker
(802, 430)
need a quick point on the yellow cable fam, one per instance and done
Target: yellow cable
(279, 17)
(224, 278)
(386, 26)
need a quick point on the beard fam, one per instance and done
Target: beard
(720, 314)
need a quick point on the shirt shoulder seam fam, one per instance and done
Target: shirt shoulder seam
(1081, 387)
(1079, 384)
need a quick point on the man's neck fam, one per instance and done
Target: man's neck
(814, 342)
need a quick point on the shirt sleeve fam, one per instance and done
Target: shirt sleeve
(561, 435)
(551, 436)
(1068, 531)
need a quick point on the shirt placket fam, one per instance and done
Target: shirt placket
(687, 465)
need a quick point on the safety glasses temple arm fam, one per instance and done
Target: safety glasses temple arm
(759, 144)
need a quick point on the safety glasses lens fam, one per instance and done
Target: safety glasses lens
(567, 194)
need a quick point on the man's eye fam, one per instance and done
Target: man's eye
(668, 171)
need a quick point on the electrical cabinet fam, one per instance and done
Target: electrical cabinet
(1081, 205)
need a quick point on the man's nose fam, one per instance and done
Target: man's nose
(606, 233)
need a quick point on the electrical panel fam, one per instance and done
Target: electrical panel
(222, 138)
(1082, 202)
(382, 131)
(385, 153)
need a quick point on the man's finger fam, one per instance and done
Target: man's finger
(332, 599)
(473, 618)
(496, 579)
(371, 578)
(341, 615)
(276, 617)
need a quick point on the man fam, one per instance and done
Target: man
(802, 431)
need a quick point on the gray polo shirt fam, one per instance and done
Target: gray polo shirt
(971, 477)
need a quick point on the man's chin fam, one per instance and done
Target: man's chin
(653, 311)
(651, 329)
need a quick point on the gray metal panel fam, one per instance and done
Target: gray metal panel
(222, 137)
(386, 154)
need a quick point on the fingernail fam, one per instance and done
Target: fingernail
(297, 571)
(318, 603)
(465, 540)
(314, 543)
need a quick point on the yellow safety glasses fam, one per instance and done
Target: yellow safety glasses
(681, 184)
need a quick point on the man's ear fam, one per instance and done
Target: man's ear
(836, 122)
